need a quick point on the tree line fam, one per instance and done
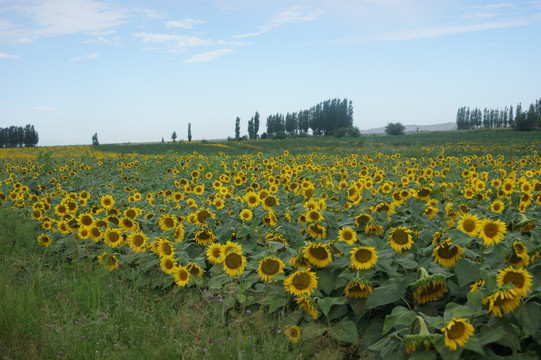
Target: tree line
(14, 136)
(328, 118)
(517, 119)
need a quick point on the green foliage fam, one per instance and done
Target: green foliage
(394, 129)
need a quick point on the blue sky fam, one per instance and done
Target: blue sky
(135, 71)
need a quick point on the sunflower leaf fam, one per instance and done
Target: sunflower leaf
(399, 316)
(345, 331)
(327, 281)
(391, 291)
(466, 272)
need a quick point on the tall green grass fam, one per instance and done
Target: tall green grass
(60, 308)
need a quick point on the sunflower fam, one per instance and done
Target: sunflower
(44, 240)
(298, 261)
(234, 263)
(358, 288)
(128, 224)
(363, 258)
(167, 222)
(428, 288)
(83, 233)
(204, 236)
(492, 231)
(497, 206)
(293, 333)
(348, 235)
(362, 219)
(317, 254)
(165, 248)
(313, 215)
(167, 264)
(179, 233)
(252, 199)
(194, 269)
(95, 233)
(270, 219)
(518, 277)
(446, 254)
(113, 237)
(301, 282)
(477, 285)
(137, 241)
(505, 298)
(401, 239)
(457, 332)
(469, 224)
(307, 303)
(214, 253)
(85, 220)
(181, 275)
(202, 215)
(423, 193)
(107, 202)
(317, 231)
(109, 261)
(424, 340)
(373, 228)
(269, 202)
(269, 267)
(228, 247)
(246, 214)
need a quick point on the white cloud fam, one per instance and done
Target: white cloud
(8, 56)
(85, 57)
(183, 24)
(208, 56)
(295, 14)
(44, 109)
(174, 42)
(405, 35)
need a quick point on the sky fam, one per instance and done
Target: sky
(135, 71)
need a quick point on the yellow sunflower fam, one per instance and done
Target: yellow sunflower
(363, 258)
(358, 288)
(457, 332)
(362, 219)
(165, 248)
(317, 254)
(109, 261)
(492, 231)
(307, 303)
(400, 239)
(137, 241)
(269, 202)
(313, 215)
(113, 237)
(518, 277)
(204, 236)
(107, 202)
(214, 253)
(317, 231)
(167, 264)
(246, 215)
(373, 228)
(270, 267)
(179, 233)
(234, 263)
(301, 282)
(505, 299)
(469, 224)
(252, 199)
(194, 269)
(348, 235)
(497, 206)
(428, 288)
(293, 333)
(167, 222)
(181, 275)
(446, 254)
(44, 240)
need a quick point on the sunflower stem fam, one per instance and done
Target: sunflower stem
(421, 273)
(422, 324)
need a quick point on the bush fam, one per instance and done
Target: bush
(280, 135)
(340, 132)
(395, 129)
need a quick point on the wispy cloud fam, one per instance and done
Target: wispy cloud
(50, 18)
(44, 109)
(173, 41)
(85, 57)
(208, 56)
(295, 14)
(183, 24)
(415, 34)
(8, 56)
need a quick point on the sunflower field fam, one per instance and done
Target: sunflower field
(426, 254)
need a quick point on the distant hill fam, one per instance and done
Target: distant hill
(415, 128)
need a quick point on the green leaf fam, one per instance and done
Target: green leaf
(326, 303)
(399, 316)
(422, 355)
(407, 261)
(391, 291)
(345, 331)
(528, 316)
(312, 330)
(466, 272)
(241, 298)
(327, 281)
(473, 344)
(444, 351)
(338, 312)
(454, 310)
(491, 335)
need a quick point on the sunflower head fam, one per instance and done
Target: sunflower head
(363, 257)
(457, 332)
(234, 263)
(270, 267)
(358, 288)
(428, 288)
(293, 333)
(446, 254)
(301, 282)
(400, 239)
(318, 254)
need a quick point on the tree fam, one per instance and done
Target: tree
(395, 129)
(95, 141)
(256, 124)
(30, 137)
(174, 136)
(237, 128)
(189, 131)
